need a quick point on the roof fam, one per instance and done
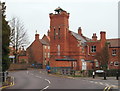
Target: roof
(58, 9)
(114, 42)
(78, 37)
(44, 42)
(22, 53)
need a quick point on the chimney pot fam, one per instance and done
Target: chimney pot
(80, 31)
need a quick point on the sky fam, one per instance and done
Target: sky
(92, 16)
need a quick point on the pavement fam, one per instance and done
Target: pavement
(40, 80)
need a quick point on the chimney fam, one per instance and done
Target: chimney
(36, 36)
(22, 48)
(94, 37)
(80, 31)
(48, 33)
(102, 35)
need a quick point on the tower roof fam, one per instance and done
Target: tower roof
(58, 9)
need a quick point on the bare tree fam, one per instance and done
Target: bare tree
(18, 35)
(103, 57)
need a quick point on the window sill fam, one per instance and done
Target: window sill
(113, 54)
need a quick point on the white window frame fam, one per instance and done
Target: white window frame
(48, 47)
(93, 49)
(58, 50)
(97, 64)
(45, 55)
(115, 63)
(114, 52)
(45, 47)
(48, 55)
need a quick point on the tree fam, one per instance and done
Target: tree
(5, 40)
(103, 57)
(18, 35)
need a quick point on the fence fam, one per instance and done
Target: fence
(62, 70)
(3, 76)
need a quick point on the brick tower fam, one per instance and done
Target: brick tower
(59, 28)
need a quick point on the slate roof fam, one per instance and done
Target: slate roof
(44, 42)
(78, 37)
(114, 42)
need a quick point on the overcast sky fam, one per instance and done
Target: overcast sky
(92, 15)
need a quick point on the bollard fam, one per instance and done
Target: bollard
(117, 75)
(93, 74)
(105, 76)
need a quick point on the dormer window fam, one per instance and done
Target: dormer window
(114, 52)
(93, 49)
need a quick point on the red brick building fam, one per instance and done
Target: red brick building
(65, 48)
(39, 50)
(70, 49)
(21, 57)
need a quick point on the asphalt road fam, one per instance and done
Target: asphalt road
(41, 81)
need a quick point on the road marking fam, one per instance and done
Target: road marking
(11, 84)
(95, 82)
(108, 88)
(101, 83)
(38, 76)
(106, 84)
(91, 81)
(105, 88)
(27, 72)
(45, 88)
(48, 81)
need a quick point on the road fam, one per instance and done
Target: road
(39, 80)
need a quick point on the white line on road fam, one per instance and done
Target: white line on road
(101, 83)
(106, 84)
(91, 81)
(45, 88)
(48, 81)
(27, 72)
(95, 82)
(38, 76)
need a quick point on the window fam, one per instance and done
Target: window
(74, 64)
(116, 63)
(59, 33)
(48, 47)
(93, 48)
(96, 64)
(82, 49)
(48, 55)
(45, 55)
(114, 52)
(45, 47)
(58, 50)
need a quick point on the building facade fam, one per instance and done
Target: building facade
(65, 48)
(39, 51)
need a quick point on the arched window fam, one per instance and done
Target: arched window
(59, 33)
(58, 50)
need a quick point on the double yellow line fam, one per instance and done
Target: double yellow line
(107, 88)
(11, 84)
